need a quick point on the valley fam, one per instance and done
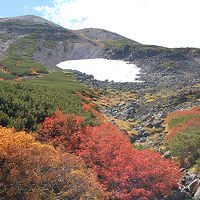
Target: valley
(66, 134)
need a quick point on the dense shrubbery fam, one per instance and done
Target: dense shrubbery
(184, 139)
(126, 172)
(26, 104)
(30, 170)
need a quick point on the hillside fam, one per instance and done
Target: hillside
(65, 135)
(47, 44)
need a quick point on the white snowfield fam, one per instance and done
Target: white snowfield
(102, 69)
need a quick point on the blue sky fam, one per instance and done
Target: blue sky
(12, 8)
(170, 23)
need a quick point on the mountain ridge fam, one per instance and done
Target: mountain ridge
(51, 44)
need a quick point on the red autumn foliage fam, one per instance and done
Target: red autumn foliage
(190, 119)
(91, 107)
(126, 172)
(62, 130)
(86, 107)
(192, 111)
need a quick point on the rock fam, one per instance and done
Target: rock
(158, 123)
(128, 113)
(197, 194)
(145, 118)
(143, 133)
(146, 134)
(140, 132)
(162, 114)
(167, 155)
(192, 185)
(190, 178)
(149, 125)
(177, 195)
(132, 105)
(123, 103)
(142, 139)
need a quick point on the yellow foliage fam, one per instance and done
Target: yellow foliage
(31, 170)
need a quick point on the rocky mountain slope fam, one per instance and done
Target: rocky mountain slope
(54, 43)
(50, 44)
(170, 78)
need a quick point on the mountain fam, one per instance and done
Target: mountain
(29, 43)
(104, 36)
(52, 43)
(57, 108)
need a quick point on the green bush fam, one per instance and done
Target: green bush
(24, 105)
(186, 146)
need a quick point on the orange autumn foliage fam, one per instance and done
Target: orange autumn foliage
(33, 171)
(192, 111)
(91, 107)
(85, 98)
(86, 107)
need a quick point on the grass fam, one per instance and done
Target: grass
(19, 61)
(176, 121)
(115, 44)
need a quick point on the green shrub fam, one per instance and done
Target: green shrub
(186, 146)
(24, 105)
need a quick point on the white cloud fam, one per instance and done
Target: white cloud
(172, 23)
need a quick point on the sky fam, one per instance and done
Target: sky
(169, 23)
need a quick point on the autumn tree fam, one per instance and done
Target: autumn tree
(30, 170)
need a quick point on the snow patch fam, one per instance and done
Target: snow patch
(103, 69)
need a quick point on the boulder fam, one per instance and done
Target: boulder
(162, 114)
(192, 185)
(128, 113)
(177, 195)
(142, 139)
(167, 155)
(132, 105)
(140, 132)
(197, 194)
(123, 103)
(149, 125)
(157, 124)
